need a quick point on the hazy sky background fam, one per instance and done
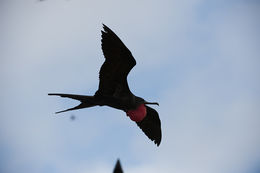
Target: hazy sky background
(199, 59)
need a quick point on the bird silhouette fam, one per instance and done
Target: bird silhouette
(118, 168)
(113, 89)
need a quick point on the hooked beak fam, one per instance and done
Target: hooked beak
(151, 103)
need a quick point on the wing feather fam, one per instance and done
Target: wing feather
(118, 63)
(151, 125)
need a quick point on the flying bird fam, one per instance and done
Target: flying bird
(113, 89)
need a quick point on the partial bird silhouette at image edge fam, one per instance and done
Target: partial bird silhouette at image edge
(118, 167)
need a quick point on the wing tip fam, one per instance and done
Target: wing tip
(156, 139)
(106, 28)
(104, 32)
(157, 142)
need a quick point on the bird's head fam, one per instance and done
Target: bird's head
(140, 101)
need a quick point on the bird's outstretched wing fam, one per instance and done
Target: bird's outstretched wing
(118, 63)
(151, 125)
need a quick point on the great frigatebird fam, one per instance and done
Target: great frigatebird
(114, 91)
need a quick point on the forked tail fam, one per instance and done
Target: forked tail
(86, 101)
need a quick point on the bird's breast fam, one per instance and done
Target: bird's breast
(137, 114)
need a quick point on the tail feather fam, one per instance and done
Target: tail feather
(86, 101)
(73, 96)
(80, 106)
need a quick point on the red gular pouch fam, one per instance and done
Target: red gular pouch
(137, 114)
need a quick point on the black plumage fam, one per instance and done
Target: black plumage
(113, 89)
(118, 167)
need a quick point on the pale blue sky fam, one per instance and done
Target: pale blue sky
(199, 59)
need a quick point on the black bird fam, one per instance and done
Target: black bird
(114, 91)
(118, 168)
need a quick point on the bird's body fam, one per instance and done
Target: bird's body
(113, 88)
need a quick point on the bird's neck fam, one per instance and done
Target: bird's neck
(137, 114)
